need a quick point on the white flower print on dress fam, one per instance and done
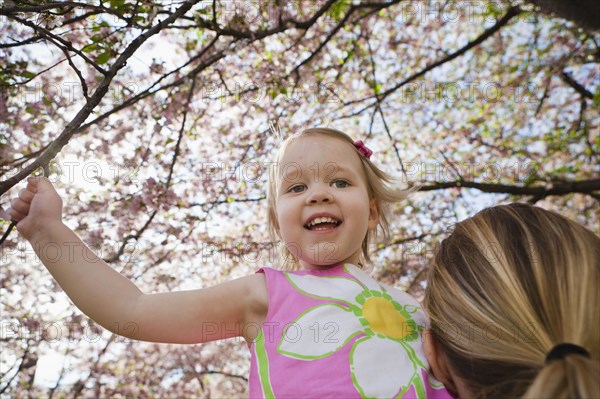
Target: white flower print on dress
(386, 321)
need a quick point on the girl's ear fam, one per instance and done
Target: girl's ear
(373, 214)
(437, 360)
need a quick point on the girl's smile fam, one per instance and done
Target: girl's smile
(322, 222)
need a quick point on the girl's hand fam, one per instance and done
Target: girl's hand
(37, 208)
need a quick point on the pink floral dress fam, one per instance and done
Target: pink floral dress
(338, 333)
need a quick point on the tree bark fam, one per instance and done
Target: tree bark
(585, 13)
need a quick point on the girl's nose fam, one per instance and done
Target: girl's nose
(319, 195)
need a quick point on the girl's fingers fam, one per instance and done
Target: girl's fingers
(26, 195)
(32, 183)
(15, 215)
(19, 206)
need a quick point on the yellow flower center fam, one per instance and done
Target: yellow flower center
(385, 319)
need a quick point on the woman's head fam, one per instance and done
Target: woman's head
(507, 286)
(320, 173)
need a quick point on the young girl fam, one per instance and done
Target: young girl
(326, 329)
(514, 301)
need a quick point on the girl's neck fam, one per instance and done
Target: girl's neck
(354, 259)
(309, 266)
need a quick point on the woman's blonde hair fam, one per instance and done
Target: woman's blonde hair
(380, 186)
(507, 286)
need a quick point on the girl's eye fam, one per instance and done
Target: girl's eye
(298, 188)
(340, 184)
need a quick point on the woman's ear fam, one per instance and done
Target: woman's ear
(373, 214)
(437, 360)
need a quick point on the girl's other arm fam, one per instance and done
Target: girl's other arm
(236, 308)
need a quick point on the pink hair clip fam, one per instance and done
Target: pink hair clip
(363, 149)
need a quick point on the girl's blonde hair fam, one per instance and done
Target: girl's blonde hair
(507, 286)
(380, 186)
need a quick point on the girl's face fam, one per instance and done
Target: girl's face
(323, 207)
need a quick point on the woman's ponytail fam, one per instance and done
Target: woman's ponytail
(572, 377)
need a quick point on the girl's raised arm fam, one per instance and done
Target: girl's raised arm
(236, 308)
